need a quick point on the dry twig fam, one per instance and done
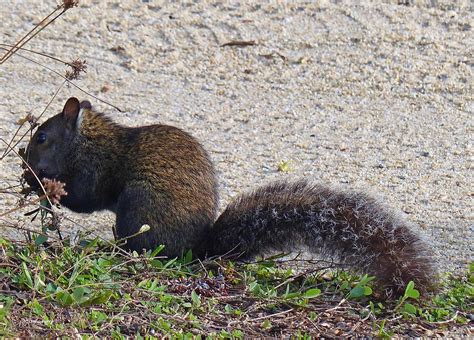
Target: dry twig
(67, 4)
(240, 43)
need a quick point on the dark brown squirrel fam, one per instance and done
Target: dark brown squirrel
(161, 176)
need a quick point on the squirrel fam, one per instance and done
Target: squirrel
(161, 176)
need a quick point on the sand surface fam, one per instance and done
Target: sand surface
(375, 96)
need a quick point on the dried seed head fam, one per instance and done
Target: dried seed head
(70, 4)
(54, 190)
(33, 120)
(77, 66)
(30, 119)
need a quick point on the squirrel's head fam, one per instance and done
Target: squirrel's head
(48, 150)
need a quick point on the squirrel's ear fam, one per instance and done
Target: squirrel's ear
(71, 111)
(85, 104)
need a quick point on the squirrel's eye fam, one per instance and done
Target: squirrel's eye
(41, 138)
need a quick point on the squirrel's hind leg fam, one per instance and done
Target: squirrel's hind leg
(141, 204)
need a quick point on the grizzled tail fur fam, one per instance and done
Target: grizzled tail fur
(354, 227)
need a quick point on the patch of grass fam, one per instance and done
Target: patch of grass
(456, 298)
(94, 290)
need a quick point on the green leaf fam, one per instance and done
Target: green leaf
(312, 293)
(37, 308)
(365, 279)
(40, 239)
(411, 292)
(228, 309)
(414, 294)
(360, 291)
(170, 263)
(29, 280)
(292, 295)
(98, 317)
(409, 309)
(357, 292)
(64, 298)
(98, 298)
(51, 288)
(164, 325)
(255, 287)
(188, 257)
(39, 281)
(78, 294)
(266, 324)
(238, 334)
(157, 250)
(104, 263)
(196, 299)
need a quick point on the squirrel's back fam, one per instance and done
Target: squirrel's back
(167, 181)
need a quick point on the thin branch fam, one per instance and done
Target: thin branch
(66, 4)
(39, 53)
(29, 168)
(70, 82)
(271, 315)
(31, 127)
(31, 34)
(17, 227)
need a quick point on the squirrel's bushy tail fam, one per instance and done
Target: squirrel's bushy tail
(353, 226)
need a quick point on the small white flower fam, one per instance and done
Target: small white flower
(144, 228)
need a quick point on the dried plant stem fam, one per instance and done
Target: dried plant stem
(9, 187)
(35, 201)
(110, 243)
(271, 315)
(7, 224)
(6, 152)
(10, 147)
(38, 53)
(304, 273)
(38, 28)
(70, 82)
(33, 32)
(29, 168)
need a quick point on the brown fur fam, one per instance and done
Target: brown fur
(161, 176)
(353, 227)
(157, 175)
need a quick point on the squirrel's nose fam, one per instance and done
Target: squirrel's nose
(42, 169)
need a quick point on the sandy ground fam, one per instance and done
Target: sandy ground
(377, 96)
